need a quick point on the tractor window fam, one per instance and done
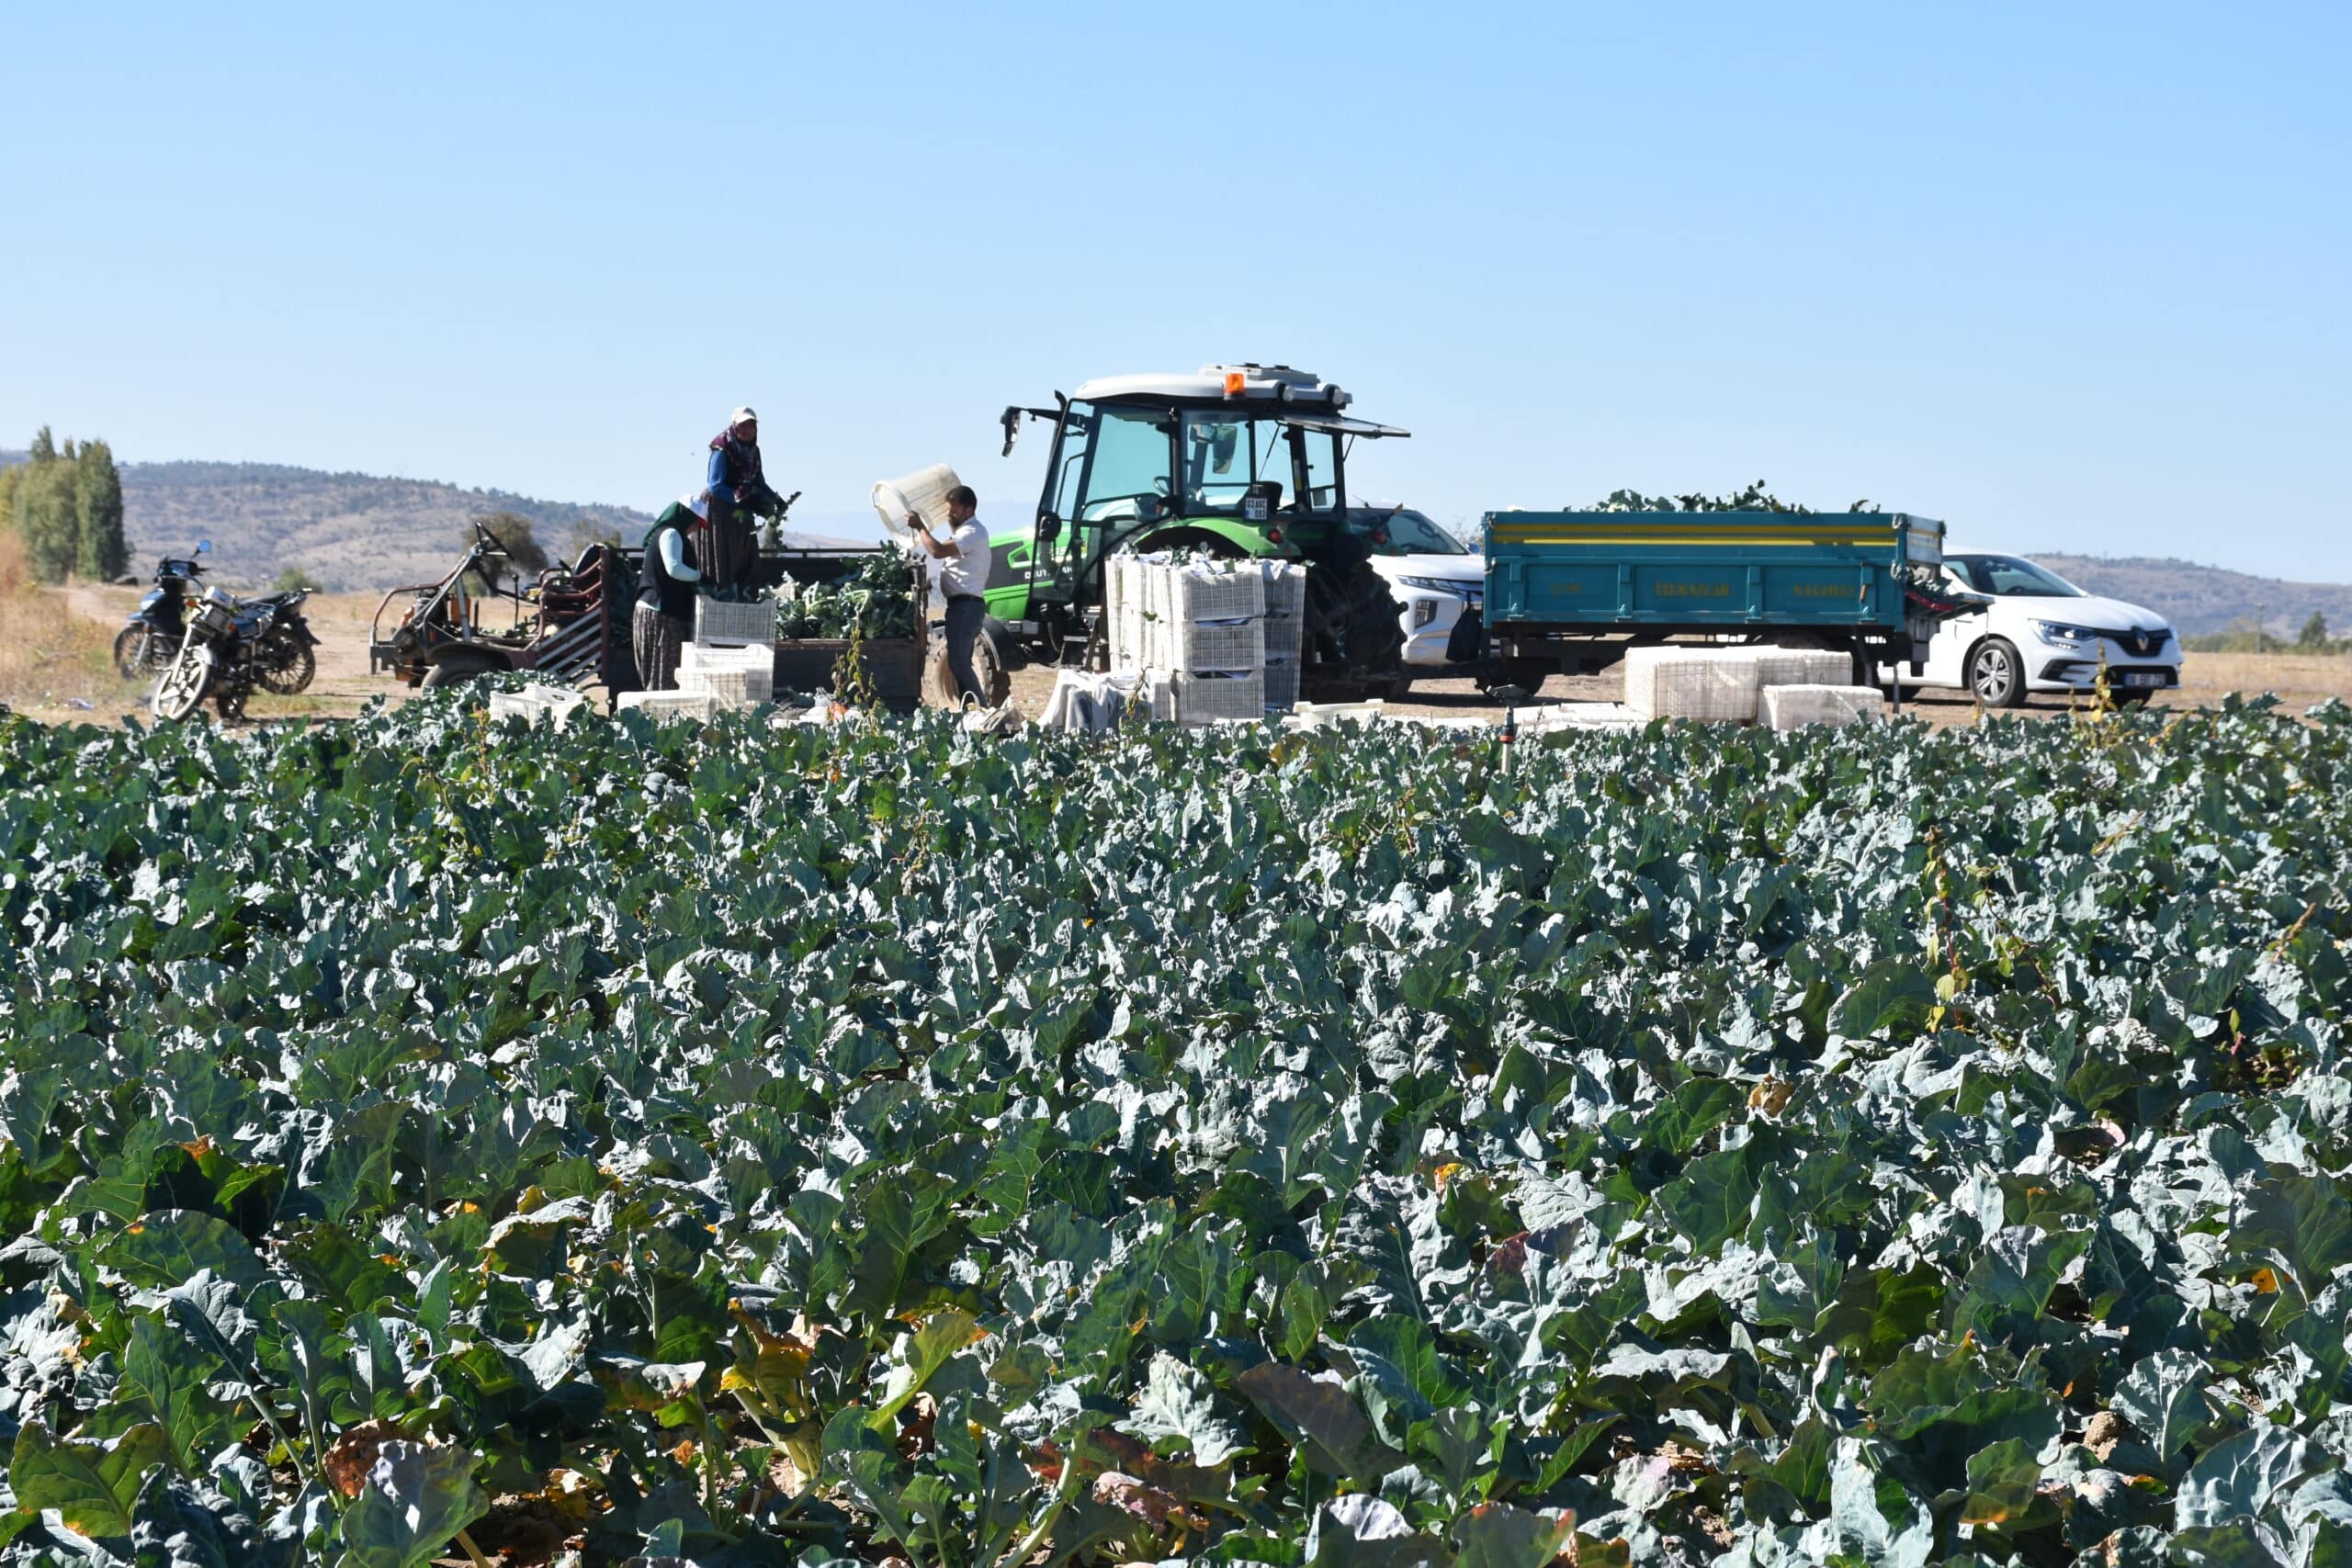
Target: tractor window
(1224, 456)
(1322, 489)
(1129, 474)
(1225, 452)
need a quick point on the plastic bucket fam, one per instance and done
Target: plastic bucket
(923, 492)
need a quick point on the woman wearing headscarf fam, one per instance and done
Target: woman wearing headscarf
(739, 491)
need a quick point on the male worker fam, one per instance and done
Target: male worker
(665, 617)
(963, 558)
(739, 491)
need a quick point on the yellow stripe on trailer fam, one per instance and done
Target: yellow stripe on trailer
(1712, 537)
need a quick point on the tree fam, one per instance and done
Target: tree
(2312, 638)
(293, 579)
(587, 531)
(9, 478)
(48, 516)
(44, 447)
(102, 554)
(528, 556)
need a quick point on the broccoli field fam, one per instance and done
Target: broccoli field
(733, 1145)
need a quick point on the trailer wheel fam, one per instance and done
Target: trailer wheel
(458, 669)
(1526, 671)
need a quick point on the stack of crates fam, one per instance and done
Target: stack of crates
(1213, 637)
(1285, 588)
(731, 660)
(1198, 627)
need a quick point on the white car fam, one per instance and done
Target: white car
(1439, 584)
(2040, 634)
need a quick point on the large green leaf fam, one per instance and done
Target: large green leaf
(417, 1498)
(91, 1485)
(1178, 1403)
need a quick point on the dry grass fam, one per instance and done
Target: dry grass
(53, 663)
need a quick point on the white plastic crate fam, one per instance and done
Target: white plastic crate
(1282, 685)
(669, 704)
(1208, 594)
(1286, 638)
(1800, 666)
(1285, 589)
(722, 623)
(733, 688)
(1675, 682)
(1156, 694)
(697, 658)
(1230, 646)
(1787, 707)
(558, 705)
(1210, 698)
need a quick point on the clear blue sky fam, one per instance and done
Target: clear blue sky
(2071, 276)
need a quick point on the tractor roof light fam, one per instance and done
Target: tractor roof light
(1341, 399)
(1236, 383)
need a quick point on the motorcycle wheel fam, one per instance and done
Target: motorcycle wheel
(284, 665)
(136, 651)
(179, 690)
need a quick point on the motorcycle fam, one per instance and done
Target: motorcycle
(153, 633)
(283, 659)
(228, 649)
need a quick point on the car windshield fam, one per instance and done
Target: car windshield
(2009, 577)
(1410, 532)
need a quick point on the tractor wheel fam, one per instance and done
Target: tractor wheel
(458, 669)
(1355, 633)
(996, 682)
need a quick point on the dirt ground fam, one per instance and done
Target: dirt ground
(343, 684)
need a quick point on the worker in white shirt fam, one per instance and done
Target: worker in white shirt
(963, 558)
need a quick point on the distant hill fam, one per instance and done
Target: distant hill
(348, 531)
(2200, 599)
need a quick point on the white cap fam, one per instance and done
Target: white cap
(741, 416)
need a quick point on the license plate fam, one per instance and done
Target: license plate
(2143, 677)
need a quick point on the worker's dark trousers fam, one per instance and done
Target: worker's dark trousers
(964, 613)
(732, 546)
(654, 638)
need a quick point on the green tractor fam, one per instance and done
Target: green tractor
(1235, 460)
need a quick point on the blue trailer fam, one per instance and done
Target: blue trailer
(1571, 590)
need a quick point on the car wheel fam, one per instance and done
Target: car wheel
(1996, 674)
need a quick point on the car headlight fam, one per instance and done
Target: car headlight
(2059, 631)
(1454, 586)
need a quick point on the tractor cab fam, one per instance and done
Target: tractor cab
(1233, 459)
